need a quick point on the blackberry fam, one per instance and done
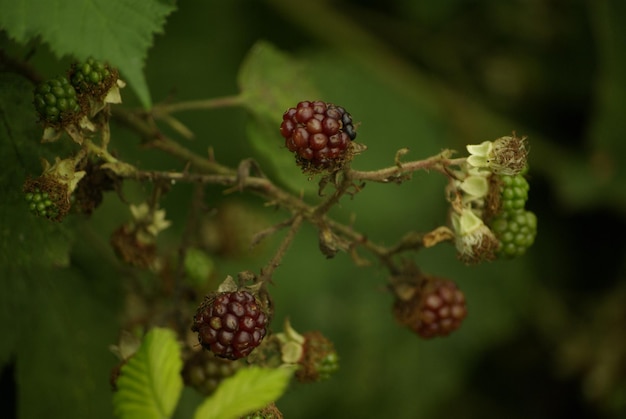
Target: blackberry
(39, 203)
(436, 308)
(319, 134)
(93, 78)
(204, 371)
(516, 232)
(514, 193)
(230, 324)
(56, 102)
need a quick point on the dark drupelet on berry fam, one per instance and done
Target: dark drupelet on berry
(56, 102)
(319, 134)
(433, 307)
(230, 324)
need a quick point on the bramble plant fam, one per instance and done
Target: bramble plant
(232, 209)
(486, 191)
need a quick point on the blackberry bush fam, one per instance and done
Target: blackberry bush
(234, 319)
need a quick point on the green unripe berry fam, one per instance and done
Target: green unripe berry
(92, 78)
(56, 102)
(514, 193)
(516, 232)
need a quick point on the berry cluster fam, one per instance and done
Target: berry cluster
(514, 226)
(513, 192)
(437, 308)
(230, 324)
(92, 77)
(56, 102)
(319, 134)
(39, 203)
(516, 231)
(489, 216)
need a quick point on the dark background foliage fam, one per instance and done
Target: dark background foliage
(545, 334)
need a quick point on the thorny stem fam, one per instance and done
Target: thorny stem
(342, 188)
(397, 173)
(207, 171)
(197, 105)
(268, 270)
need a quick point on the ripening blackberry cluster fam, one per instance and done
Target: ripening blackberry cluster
(230, 324)
(437, 308)
(319, 134)
(442, 309)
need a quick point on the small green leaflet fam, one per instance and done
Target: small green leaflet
(119, 32)
(150, 383)
(248, 390)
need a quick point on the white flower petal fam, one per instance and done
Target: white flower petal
(481, 149)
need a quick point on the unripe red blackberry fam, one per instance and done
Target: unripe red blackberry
(435, 308)
(319, 134)
(230, 324)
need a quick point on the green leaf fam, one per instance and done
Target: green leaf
(28, 244)
(271, 82)
(63, 329)
(119, 32)
(248, 390)
(150, 383)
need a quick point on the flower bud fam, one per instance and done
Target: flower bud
(506, 155)
(474, 241)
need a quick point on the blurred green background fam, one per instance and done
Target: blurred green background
(546, 334)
